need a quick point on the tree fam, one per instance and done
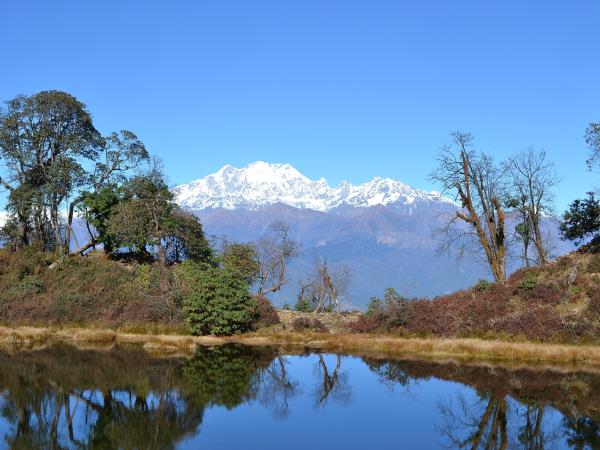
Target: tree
(531, 179)
(97, 208)
(477, 183)
(55, 160)
(582, 220)
(215, 300)
(592, 138)
(184, 238)
(45, 140)
(325, 289)
(148, 220)
(274, 250)
(119, 155)
(241, 258)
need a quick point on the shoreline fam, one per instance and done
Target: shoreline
(378, 346)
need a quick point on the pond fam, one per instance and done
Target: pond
(236, 397)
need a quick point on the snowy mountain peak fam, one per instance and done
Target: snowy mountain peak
(261, 183)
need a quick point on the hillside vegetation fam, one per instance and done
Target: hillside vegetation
(559, 302)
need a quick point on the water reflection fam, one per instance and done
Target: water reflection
(60, 397)
(507, 410)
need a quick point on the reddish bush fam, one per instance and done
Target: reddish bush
(367, 324)
(593, 309)
(265, 313)
(549, 294)
(304, 323)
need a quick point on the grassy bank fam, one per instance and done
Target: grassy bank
(364, 345)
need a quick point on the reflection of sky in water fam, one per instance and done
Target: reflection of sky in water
(331, 402)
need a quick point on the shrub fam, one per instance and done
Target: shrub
(382, 316)
(31, 284)
(545, 293)
(374, 307)
(482, 285)
(396, 308)
(304, 323)
(303, 305)
(265, 313)
(367, 323)
(593, 309)
(215, 300)
(594, 264)
(287, 307)
(529, 281)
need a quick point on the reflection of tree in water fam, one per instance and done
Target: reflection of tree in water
(276, 388)
(485, 428)
(510, 407)
(63, 398)
(333, 383)
(582, 433)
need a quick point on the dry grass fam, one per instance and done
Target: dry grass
(380, 345)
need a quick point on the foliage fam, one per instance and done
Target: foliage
(303, 305)
(147, 220)
(265, 313)
(90, 290)
(396, 309)
(44, 162)
(223, 375)
(529, 281)
(592, 139)
(31, 284)
(97, 208)
(184, 238)
(305, 323)
(374, 307)
(215, 300)
(582, 220)
(389, 315)
(482, 285)
(594, 264)
(241, 258)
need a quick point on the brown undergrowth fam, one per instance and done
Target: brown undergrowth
(363, 345)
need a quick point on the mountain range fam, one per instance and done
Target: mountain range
(384, 231)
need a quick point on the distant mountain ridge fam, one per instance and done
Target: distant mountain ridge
(260, 184)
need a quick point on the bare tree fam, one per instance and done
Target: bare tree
(478, 184)
(334, 383)
(532, 178)
(274, 251)
(327, 286)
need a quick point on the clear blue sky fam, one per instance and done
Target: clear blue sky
(342, 89)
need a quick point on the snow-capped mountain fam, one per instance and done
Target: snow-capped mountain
(260, 184)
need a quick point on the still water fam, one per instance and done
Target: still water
(235, 397)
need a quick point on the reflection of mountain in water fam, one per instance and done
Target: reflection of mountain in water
(60, 397)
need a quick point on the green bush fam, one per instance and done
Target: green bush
(482, 285)
(303, 305)
(31, 284)
(215, 300)
(529, 281)
(373, 307)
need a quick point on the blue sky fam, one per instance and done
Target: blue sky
(342, 89)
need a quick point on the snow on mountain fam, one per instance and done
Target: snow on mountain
(260, 184)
